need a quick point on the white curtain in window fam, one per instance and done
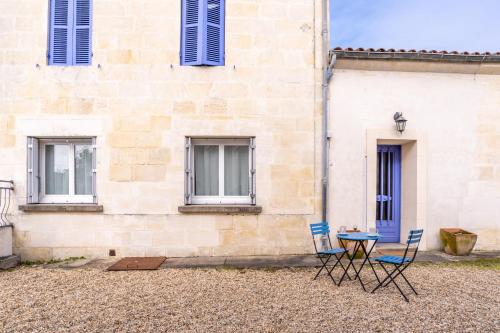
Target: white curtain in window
(236, 178)
(83, 169)
(206, 170)
(56, 169)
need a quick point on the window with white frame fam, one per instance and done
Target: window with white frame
(61, 170)
(220, 171)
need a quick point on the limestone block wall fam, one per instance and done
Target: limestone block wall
(140, 104)
(455, 120)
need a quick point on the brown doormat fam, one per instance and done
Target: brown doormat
(137, 263)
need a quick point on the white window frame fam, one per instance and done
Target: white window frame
(71, 197)
(221, 199)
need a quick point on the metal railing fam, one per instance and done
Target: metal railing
(6, 189)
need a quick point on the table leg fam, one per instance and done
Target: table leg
(351, 263)
(355, 251)
(351, 258)
(368, 258)
(358, 276)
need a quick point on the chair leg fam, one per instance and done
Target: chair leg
(322, 267)
(400, 272)
(326, 268)
(343, 267)
(351, 264)
(334, 266)
(330, 274)
(381, 284)
(346, 269)
(397, 286)
(383, 281)
(391, 279)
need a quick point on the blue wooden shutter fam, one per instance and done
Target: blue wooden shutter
(82, 32)
(33, 184)
(213, 39)
(191, 32)
(60, 32)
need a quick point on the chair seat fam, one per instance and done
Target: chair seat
(332, 251)
(392, 259)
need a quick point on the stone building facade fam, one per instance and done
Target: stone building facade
(139, 105)
(127, 149)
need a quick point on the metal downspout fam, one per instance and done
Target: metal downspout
(327, 68)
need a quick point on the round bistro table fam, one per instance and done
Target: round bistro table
(359, 238)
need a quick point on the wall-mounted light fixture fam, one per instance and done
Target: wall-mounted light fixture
(400, 121)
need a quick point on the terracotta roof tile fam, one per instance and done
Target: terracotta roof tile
(382, 53)
(361, 49)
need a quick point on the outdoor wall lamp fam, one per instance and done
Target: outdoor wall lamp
(400, 121)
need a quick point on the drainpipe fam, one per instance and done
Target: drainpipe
(327, 68)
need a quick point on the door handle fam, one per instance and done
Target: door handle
(382, 197)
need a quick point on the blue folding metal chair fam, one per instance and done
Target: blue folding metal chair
(321, 232)
(400, 263)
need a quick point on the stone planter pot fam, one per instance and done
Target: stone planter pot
(457, 242)
(349, 245)
(5, 241)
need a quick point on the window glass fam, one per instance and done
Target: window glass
(206, 170)
(56, 169)
(236, 177)
(83, 169)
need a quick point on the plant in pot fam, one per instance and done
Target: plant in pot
(349, 245)
(457, 242)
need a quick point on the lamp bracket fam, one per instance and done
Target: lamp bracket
(398, 115)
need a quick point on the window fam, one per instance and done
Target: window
(202, 32)
(220, 171)
(61, 170)
(70, 32)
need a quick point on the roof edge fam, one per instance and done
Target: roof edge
(422, 55)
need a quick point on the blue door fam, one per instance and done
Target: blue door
(389, 193)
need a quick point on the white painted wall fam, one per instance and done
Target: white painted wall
(457, 115)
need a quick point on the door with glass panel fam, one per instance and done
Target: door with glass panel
(66, 171)
(222, 172)
(389, 192)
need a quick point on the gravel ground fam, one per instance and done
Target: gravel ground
(210, 300)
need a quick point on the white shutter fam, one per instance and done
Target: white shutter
(94, 170)
(253, 192)
(33, 183)
(188, 173)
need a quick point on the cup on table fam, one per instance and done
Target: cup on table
(342, 229)
(372, 231)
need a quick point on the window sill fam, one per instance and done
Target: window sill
(62, 208)
(220, 209)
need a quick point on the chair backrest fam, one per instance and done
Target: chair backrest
(319, 230)
(414, 238)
